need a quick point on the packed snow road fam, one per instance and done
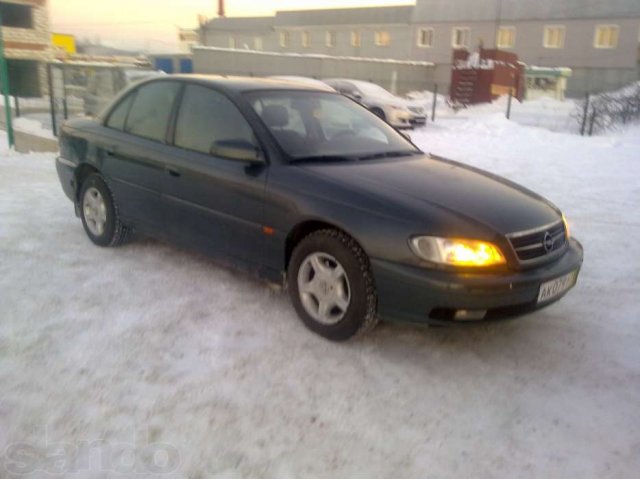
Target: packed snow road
(148, 360)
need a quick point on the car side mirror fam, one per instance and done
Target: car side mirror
(239, 150)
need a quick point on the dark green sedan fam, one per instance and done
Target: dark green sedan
(305, 188)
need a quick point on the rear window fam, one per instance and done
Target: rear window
(119, 114)
(151, 109)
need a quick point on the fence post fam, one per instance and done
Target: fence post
(509, 104)
(5, 89)
(592, 121)
(52, 103)
(435, 102)
(65, 105)
(585, 114)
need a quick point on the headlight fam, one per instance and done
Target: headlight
(566, 226)
(457, 252)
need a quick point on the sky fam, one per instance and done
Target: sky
(152, 24)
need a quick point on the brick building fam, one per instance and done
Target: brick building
(27, 43)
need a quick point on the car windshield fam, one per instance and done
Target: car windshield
(326, 126)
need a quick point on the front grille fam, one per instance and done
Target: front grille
(538, 243)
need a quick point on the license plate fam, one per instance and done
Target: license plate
(554, 288)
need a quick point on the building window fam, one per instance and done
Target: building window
(284, 39)
(506, 37)
(16, 16)
(305, 39)
(257, 43)
(232, 42)
(460, 37)
(382, 38)
(356, 39)
(554, 36)
(606, 36)
(330, 38)
(425, 37)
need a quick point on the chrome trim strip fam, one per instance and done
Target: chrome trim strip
(533, 230)
(530, 247)
(66, 162)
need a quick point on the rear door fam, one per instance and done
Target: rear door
(212, 203)
(134, 150)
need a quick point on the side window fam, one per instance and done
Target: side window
(119, 114)
(206, 117)
(151, 110)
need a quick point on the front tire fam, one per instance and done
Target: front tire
(99, 213)
(331, 285)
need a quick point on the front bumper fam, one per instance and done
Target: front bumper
(419, 295)
(418, 120)
(66, 174)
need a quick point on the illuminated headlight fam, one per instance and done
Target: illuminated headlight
(457, 252)
(566, 227)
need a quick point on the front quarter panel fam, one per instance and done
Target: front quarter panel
(380, 225)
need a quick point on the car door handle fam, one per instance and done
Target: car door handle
(173, 173)
(110, 151)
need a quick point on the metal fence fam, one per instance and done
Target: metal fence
(84, 89)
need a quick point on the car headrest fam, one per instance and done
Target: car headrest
(275, 116)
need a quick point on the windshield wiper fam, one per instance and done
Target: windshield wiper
(402, 153)
(322, 158)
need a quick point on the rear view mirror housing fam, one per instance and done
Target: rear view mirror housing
(239, 150)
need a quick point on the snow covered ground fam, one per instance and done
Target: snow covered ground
(150, 360)
(544, 112)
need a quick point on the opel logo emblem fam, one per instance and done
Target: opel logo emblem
(548, 242)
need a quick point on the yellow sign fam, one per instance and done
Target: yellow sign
(63, 42)
(502, 90)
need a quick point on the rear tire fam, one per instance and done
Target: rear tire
(99, 213)
(336, 298)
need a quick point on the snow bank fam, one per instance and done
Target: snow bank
(34, 127)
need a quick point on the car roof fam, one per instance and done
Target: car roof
(312, 82)
(246, 84)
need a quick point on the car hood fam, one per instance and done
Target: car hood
(424, 182)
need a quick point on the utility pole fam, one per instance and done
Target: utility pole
(4, 84)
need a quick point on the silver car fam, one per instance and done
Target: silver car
(387, 106)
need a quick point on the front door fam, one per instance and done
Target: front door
(212, 203)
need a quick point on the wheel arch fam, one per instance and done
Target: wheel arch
(82, 172)
(306, 228)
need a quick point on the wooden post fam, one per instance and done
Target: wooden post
(585, 114)
(592, 120)
(435, 102)
(52, 102)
